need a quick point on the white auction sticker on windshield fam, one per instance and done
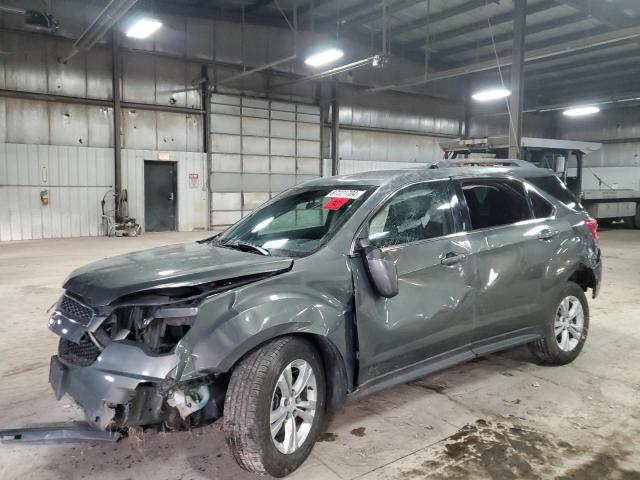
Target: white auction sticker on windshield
(351, 194)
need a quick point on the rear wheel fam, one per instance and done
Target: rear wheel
(634, 221)
(274, 408)
(566, 331)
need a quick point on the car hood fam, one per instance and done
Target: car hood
(102, 282)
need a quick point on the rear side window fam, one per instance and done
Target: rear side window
(541, 208)
(493, 203)
(554, 187)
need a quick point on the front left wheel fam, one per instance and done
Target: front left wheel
(275, 405)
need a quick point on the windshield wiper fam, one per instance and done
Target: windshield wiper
(247, 247)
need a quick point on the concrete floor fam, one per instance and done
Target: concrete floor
(502, 417)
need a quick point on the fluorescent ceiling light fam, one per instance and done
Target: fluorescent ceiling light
(143, 28)
(491, 94)
(325, 56)
(580, 111)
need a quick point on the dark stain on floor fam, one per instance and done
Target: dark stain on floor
(435, 387)
(358, 432)
(327, 437)
(508, 451)
(602, 466)
(27, 367)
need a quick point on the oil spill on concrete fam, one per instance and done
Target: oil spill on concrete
(435, 387)
(603, 465)
(327, 437)
(504, 450)
(27, 367)
(358, 432)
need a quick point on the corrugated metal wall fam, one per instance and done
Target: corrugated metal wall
(618, 128)
(76, 179)
(362, 150)
(259, 148)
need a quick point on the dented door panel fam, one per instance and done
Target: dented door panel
(432, 313)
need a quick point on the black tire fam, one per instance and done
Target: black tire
(547, 349)
(247, 406)
(634, 221)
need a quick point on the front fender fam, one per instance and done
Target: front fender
(233, 323)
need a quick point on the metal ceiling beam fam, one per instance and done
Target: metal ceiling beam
(606, 13)
(348, 12)
(579, 79)
(482, 24)
(571, 37)
(107, 18)
(257, 5)
(589, 94)
(439, 16)
(591, 61)
(306, 11)
(531, 55)
(595, 65)
(365, 62)
(376, 14)
(629, 99)
(589, 86)
(546, 68)
(506, 37)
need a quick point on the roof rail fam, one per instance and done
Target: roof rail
(481, 162)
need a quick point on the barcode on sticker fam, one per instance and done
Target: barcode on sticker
(352, 194)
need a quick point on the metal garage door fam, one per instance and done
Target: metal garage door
(258, 148)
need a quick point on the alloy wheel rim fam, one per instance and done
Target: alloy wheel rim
(569, 323)
(293, 406)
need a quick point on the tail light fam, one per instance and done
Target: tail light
(592, 225)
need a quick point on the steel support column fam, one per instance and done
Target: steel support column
(325, 102)
(335, 127)
(465, 128)
(116, 67)
(516, 101)
(205, 105)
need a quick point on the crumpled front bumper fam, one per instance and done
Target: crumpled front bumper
(111, 380)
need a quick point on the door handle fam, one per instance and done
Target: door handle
(547, 234)
(171, 197)
(452, 258)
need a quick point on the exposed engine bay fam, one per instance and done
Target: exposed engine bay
(119, 361)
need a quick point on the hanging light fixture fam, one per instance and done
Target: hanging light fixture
(324, 57)
(581, 111)
(143, 27)
(491, 94)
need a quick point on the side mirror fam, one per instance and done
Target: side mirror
(382, 272)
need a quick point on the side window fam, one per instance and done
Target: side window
(541, 208)
(415, 213)
(554, 187)
(493, 203)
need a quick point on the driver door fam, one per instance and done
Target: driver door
(431, 318)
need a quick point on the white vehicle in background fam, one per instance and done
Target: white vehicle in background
(607, 193)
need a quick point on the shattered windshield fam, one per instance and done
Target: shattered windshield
(297, 222)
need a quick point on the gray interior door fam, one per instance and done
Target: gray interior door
(160, 196)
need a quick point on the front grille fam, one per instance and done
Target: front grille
(80, 354)
(75, 310)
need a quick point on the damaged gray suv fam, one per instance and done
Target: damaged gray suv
(332, 290)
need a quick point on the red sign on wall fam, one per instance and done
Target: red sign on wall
(193, 180)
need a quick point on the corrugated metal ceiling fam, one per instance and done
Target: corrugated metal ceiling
(460, 31)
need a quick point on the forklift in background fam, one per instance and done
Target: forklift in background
(605, 201)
